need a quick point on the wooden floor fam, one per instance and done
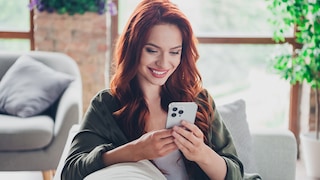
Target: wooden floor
(300, 170)
(20, 175)
(300, 174)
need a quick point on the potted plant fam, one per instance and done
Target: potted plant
(304, 64)
(73, 7)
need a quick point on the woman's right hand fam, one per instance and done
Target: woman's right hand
(155, 144)
(149, 146)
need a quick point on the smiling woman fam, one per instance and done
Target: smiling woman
(160, 57)
(235, 57)
(155, 64)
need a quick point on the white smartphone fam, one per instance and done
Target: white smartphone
(178, 111)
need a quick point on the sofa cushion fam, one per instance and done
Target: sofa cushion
(29, 87)
(25, 133)
(234, 116)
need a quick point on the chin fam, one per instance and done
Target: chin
(160, 83)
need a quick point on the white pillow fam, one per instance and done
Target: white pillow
(141, 170)
(29, 87)
(234, 116)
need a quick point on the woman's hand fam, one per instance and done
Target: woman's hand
(189, 139)
(155, 144)
(149, 146)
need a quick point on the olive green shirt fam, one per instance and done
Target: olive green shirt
(100, 132)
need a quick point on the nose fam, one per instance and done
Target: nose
(162, 60)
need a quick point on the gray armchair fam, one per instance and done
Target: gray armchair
(36, 143)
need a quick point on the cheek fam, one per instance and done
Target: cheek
(144, 59)
(176, 62)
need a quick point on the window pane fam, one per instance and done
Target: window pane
(125, 8)
(239, 74)
(228, 17)
(15, 15)
(218, 17)
(14, 45)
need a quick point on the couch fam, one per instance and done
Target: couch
(40, 99)
(270, 153)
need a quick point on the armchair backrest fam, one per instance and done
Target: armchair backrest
(55, 60)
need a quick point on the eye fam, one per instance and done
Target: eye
(175, 52)
(149, 50)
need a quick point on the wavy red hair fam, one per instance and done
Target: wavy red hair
(183, 85)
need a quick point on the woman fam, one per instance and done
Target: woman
(155, 64)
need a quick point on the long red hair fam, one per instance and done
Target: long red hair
(183, 85)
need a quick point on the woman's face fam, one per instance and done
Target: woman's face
(160, 56)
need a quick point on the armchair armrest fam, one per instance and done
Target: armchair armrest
(72, 96)
(68, 113)
(275, 153)
(72, 132)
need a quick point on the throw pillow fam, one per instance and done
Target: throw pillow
(29, 87)
(234, 116)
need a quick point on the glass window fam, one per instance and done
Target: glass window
(14, 45)
(15, 15)
(217, 18)
(15, 22)
(125, 9)
(246, 73)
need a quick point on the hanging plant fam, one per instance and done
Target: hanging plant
(73, 6)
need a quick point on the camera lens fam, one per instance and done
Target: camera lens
(173, 114)
(180, 111)
(174, 108)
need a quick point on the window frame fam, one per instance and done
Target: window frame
(29, 35)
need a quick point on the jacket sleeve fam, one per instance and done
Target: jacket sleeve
(98, 133)
(222, 143)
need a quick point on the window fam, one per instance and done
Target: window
(235, 47)
(16, 26)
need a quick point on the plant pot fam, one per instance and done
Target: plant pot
(311, 153)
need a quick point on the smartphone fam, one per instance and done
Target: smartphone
(178, 111)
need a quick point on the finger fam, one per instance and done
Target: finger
(162, 134)
(193, 128)
(186, 134)
(168, 140)
(181, 141)
(164, 137)
(180, 146)
(167, 148)
(170, 147)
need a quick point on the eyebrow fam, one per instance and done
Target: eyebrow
(151, 44)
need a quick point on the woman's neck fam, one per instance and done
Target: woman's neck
(151, 94)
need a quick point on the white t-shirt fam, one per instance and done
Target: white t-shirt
(172, 166)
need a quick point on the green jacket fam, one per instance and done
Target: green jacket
(99, 133)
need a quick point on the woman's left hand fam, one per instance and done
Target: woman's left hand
(189, 139)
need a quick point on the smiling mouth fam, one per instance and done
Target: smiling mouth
(157, 73)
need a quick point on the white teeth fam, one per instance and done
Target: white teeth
(158, 72)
